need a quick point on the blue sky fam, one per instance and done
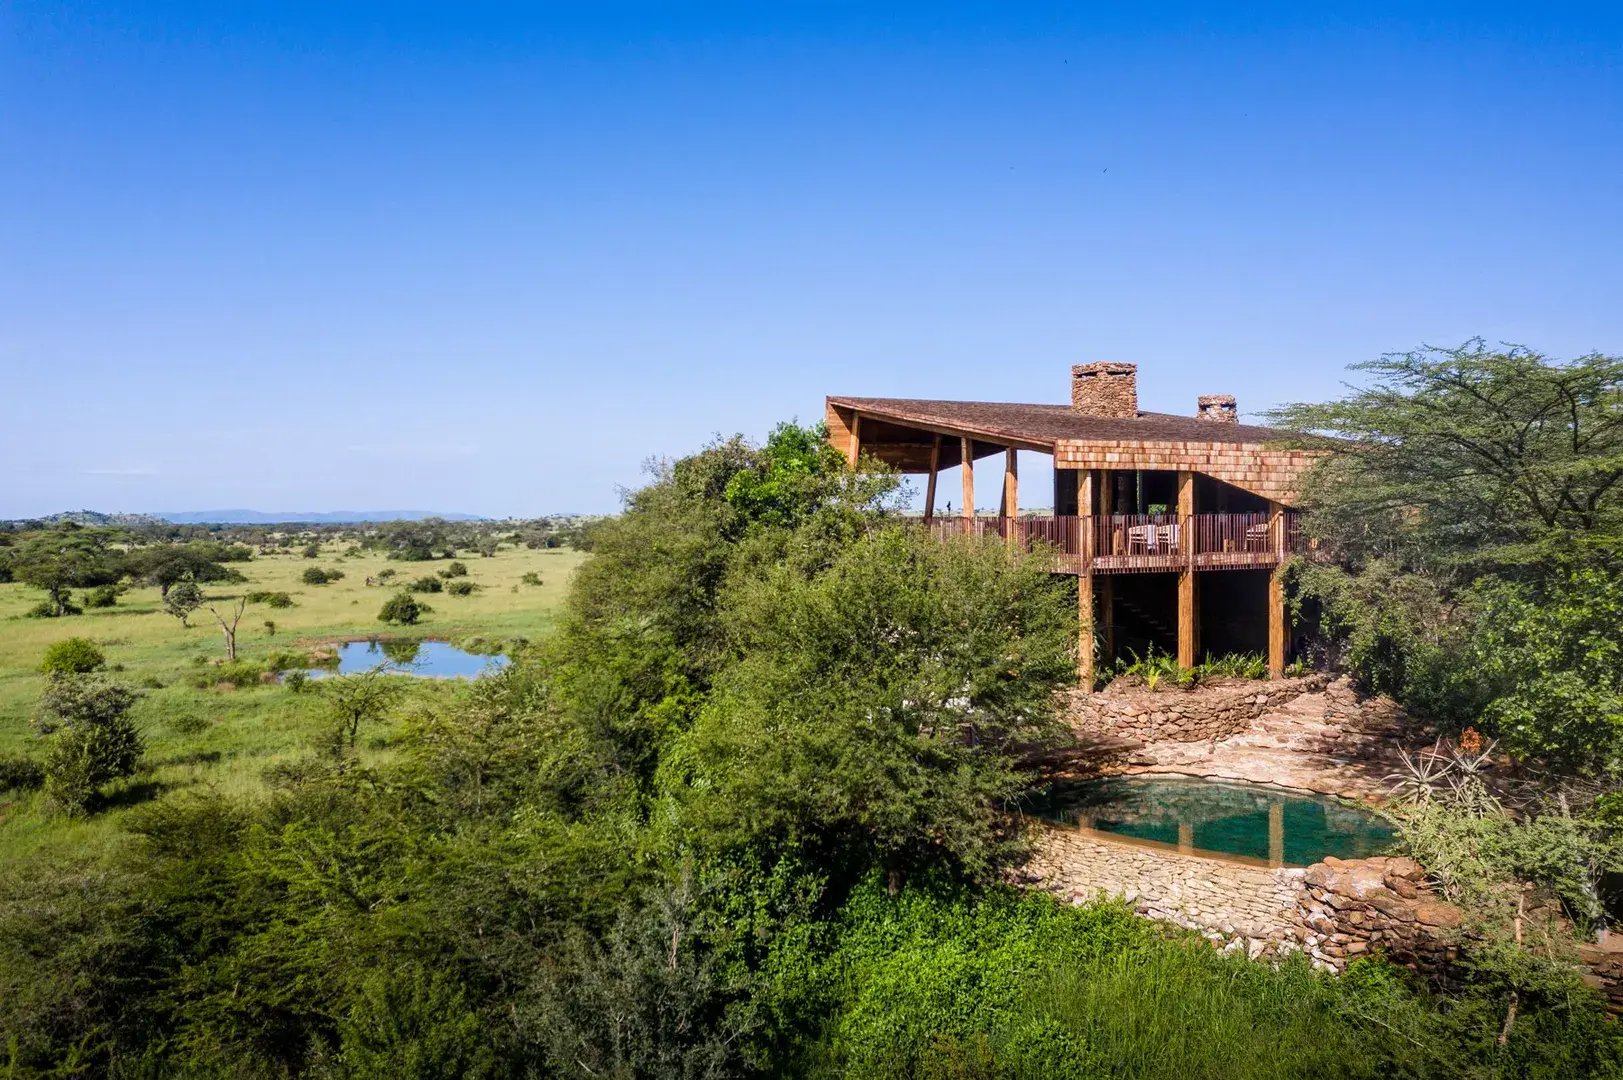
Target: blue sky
(491, 257)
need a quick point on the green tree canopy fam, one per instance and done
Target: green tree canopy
(1472, 456)
(165, 564)
(60, 560)
(880, 705)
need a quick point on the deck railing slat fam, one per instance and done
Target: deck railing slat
(1127, 543)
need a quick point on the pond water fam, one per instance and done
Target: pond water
(1209, 817)
(431, 659)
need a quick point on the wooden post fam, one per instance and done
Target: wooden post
(1276, 834)
(929, 488)
(1188, 605)
(1276, 593)
(1011, 496)
(1084, 586)
(853, 451)
(968, 453)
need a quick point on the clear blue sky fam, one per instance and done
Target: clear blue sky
(491, 257)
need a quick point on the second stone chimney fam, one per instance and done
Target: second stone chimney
(1218, 408)
(1107, 389)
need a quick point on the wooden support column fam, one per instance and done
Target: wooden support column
(1011, 496)
(1188, 602)
(929, 487)
(1276, 834)
(1084, 580)
(854, 450)
(1105, 587)
(1276, 593)
(968, 455)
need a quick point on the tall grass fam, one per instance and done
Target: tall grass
(931, 985)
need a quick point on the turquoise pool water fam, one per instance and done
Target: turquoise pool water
(431, 659)
(1208, 817)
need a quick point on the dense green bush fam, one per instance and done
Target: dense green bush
(455, 570)
(72, 656)
(530, 577)
(92, 739)
(403, 608)
(271, 599)
(460, 587)
(103, 596)
(426, 585)
(18, 773)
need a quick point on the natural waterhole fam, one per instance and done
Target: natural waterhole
(430, 659)
(1210, 817)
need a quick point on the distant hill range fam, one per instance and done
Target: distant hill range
(311, 517)
(88, 517)
(241, 517)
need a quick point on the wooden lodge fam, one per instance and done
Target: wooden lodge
(1176, 526)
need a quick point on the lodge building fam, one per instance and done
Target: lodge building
(1176, 526)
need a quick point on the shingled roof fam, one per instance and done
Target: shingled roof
(1049, 424)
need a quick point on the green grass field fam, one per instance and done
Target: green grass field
(220, 738)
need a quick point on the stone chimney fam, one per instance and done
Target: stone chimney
(1107, 389)
(1218, 408)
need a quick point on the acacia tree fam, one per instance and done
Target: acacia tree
(61, 560)
(1471, 457)
(1476, 500)
(164, 565)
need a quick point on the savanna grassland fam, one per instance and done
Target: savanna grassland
(220, 737)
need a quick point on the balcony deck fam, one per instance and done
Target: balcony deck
(1147, 543)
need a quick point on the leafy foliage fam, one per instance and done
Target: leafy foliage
(403, 608)
(92, 739)
(60, 560)
(183, 598)
(1472, 457)
(72, 656)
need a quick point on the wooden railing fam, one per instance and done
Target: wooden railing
(1124, 543)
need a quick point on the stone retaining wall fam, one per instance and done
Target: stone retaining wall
(1334, 911)
(1174, 714)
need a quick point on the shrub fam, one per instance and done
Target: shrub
(403, 608)
(461, 587)
(93, 739)
(270, 628)
(315, 575)
(426, 585)
(72, 656)
(312, 551)
(105, 596)
(388, 574)
(18, 773)
(456, 569)
(271, 599)
(531, 578)
(46, 610)
(1235, 666)
(296, 681)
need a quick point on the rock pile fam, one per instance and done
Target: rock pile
(1350, 907)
